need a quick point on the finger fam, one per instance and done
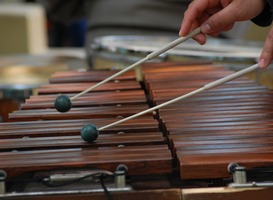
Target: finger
(214, 34)
(191, 15)
(200, 38)
(185, 31)
(194, 25)
(217, 33)
(219, 21)
(228, 27)
(266, 56)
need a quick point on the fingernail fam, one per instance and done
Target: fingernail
(262, 63)
(205, 28)
(199, 39)
(180, 33)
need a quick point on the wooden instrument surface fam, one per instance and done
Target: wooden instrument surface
(198, 136)
(206, 132)
(39, 138)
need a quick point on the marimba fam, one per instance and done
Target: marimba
(188, 144)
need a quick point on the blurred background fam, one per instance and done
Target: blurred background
(48, 32)
(34, 46)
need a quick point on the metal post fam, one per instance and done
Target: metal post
(3, 177)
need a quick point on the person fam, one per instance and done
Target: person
(215, 16)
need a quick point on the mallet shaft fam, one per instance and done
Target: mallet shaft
(205, 87)
(148, 57)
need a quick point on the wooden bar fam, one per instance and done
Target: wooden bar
(131, 97)
(138, 160)
(230, 123)
(59, 142)
(79, 87)
(79, 113)
(73, 127)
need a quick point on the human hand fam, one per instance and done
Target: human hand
(215, 16)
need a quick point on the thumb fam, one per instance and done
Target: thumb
(266, 56)
(219, 21)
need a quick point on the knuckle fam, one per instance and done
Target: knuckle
(214, 22)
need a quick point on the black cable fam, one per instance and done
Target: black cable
(107, 193)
